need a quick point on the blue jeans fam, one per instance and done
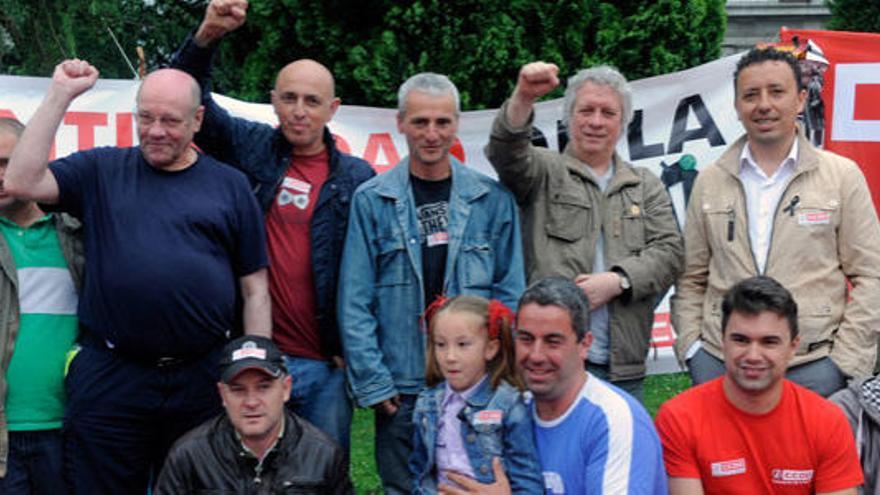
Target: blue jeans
(34, 465)
(319, 396)
(394, 436)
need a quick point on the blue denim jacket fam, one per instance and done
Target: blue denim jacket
(381, 297)
(511, 439)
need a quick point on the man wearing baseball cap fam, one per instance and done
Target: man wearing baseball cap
(257, 446)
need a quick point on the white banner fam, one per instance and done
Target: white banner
(683, 121)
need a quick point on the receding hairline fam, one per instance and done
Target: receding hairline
(309, 64)
(195, 89)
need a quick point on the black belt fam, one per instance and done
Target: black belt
(89, 339)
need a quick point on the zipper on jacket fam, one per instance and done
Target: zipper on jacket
(731, 221)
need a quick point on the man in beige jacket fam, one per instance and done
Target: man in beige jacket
(774, 205)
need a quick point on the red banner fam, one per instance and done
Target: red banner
(850, 92)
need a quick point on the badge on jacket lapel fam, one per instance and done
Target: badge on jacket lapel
(488, 417)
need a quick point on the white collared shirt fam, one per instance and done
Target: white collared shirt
(762, 198)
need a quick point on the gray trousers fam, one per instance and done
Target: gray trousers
(821, 376)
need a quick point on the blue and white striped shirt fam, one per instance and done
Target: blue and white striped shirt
(605, 443)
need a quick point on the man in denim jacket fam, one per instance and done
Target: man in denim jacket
(426, 227)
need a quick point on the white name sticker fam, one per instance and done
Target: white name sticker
(488, 417)
(729, 468)
(438, 239)
(792, 476)
(553, 483)
(814, 218)
(296, 185)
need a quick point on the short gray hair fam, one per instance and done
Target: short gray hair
(12, 126)
(602, 75)
(564, 294)
(428, 83)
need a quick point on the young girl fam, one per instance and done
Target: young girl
(477, 413)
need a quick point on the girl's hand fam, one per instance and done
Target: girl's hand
(469, 486)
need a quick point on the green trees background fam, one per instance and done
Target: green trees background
(373, 45)
(855, 15)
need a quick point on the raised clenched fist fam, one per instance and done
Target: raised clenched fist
(535, 80)
(74, 77)
(221, 17)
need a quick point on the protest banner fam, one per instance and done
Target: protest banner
(683, 121)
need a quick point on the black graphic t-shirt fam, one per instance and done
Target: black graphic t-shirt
(432, 211)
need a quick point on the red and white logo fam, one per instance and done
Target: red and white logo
(729, 468)
(489, 417)
(856, 96)
(814, 218)
(792, 476)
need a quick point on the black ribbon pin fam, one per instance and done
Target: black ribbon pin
(791, 205)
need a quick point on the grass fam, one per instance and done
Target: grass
(658, 388)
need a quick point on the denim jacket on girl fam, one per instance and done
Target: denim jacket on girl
(494, 423)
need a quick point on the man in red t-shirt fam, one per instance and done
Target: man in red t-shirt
(751, 430)
(304, 184)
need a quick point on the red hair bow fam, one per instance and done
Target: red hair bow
(498, 314)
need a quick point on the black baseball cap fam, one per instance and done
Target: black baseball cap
(251, 352)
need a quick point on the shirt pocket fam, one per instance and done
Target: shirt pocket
(392, 261)
(489, 439)
(817, 218)
(633, 228)
(477, 266)
(719, 218)
(568, 216)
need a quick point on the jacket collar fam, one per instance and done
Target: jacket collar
(808, 157)
(482, 394)
(62, 222)
(624, 174)
(289, 438)
(465, 183)
(285, 149)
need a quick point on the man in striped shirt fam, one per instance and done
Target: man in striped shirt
(592, 437)
(40, 262)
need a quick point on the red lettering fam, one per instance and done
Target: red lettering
(381, 141)
(341, 144)
(124, 133)
(457, 150)
(86, 123)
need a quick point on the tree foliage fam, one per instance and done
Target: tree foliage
(373, 45)
(855, 15)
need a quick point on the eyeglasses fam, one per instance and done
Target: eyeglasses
(145, 120)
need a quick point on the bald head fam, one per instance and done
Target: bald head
(175, 82)
(304, 100)
(168, 116)
(310, 71)
(12, 126)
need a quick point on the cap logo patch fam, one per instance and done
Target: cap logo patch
(248, 350)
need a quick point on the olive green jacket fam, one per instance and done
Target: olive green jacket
(563, 211)
(69, 238)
